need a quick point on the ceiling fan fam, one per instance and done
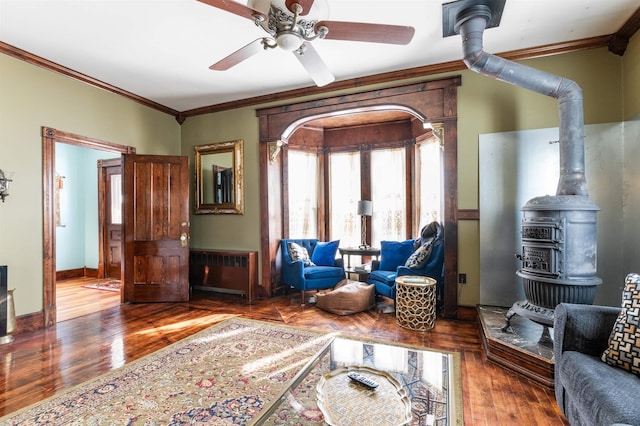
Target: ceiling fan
(293, 24)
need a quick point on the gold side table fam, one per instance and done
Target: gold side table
(416, 302)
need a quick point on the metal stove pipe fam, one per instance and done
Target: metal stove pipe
(471, 24)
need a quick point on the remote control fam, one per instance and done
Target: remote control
(362, 380)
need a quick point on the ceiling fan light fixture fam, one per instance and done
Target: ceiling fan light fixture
(289, 40)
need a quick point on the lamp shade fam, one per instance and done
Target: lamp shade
(365, 208)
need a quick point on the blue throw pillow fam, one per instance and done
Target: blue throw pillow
(394, 254)
(325, 253)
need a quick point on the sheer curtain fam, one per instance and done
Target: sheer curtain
(303, 194)
(388, 195)
(429, 161)
(344, 184)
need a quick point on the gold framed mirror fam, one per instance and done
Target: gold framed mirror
(219, 171)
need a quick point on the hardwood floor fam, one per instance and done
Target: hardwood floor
(40, 364)
(74, 300)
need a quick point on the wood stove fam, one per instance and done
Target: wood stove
(558, 256)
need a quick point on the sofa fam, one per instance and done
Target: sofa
(423, 256)
(310, 264)
(588, 390)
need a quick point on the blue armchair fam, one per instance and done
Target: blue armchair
(423, 256)
(318, 271)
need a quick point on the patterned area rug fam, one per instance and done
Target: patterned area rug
(113, 285)
(223, 375)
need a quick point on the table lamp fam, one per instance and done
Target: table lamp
(365, 208)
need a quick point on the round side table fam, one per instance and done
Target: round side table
(416, 302)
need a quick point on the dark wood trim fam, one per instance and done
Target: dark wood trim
(29, 322)
(418, 72)
(470, 214)
(49, 138)
(620, 40)
(630, 28)
(435, 100)
(77, 273)
(69, 274)
(92, 273)
(38, 61)
(450, 221)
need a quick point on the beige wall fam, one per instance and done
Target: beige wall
(31, 97)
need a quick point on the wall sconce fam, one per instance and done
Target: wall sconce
(4, 185)
(365, 208)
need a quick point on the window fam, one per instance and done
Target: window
(429, 177)
(344, 193)
(386, 172)
(388, 195)
(303, 194)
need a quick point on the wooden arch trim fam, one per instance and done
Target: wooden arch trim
(433, 101)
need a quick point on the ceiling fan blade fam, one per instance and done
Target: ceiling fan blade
(373, 33)
(315, 66)
(235, 8)
(238, 56)
(306, 5)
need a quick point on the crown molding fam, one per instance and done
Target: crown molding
(38, 61)
(630, 27)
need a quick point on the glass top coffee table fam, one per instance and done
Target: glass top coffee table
(416, 386)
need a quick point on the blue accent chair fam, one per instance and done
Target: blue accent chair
(384, 271)
(303, 278)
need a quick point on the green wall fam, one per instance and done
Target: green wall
(31, 97)
(484, 106)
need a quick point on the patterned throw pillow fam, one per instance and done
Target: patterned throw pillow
(420, 257)
(297, 252)
(624, 342)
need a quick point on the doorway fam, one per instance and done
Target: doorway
(110, 218)
(49, 139)
(86, 281)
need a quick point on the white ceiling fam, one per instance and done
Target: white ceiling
(161, 50)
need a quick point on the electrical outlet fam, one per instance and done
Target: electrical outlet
(462, 278)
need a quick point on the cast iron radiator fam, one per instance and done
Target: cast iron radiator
(234, 272)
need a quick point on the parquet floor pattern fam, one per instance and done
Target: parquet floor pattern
(40, 364)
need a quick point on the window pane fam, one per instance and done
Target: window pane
(388, 194)
(429, 177)
(116, 199)
(303, 194)
(344, 183)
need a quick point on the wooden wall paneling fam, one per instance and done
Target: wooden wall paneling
(352, 136)
(270, 211)
(450, 294)
(410, 198)
(426, 98)
(324, 225)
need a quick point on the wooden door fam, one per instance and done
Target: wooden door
(110, 217)
(155, 228)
